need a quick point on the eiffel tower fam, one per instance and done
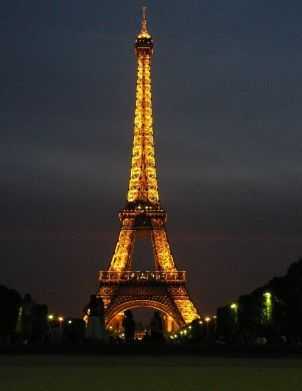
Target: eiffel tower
(163, 288)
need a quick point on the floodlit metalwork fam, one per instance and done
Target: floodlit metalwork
(131, 275)
(187, 309)
(144, 30)
(143, 182)
(120, 286)
(124, 246)
(162, 250)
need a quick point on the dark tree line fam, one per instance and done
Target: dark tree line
(10, 302)
(21, 319)
(272, 312)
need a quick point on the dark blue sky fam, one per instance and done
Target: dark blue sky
(227, 92)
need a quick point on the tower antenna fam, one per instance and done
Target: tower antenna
(144, 20)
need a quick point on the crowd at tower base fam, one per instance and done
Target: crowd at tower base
(25, 322)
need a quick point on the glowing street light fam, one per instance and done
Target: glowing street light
(207, 319)
(267, 295)
(268, 306)
(50, 317)
(234, 309)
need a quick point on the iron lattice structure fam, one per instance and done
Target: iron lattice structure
(164, 288)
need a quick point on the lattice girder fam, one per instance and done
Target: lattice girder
(143, 180)
(143, 214)
(121, 259)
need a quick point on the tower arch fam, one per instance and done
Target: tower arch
(132, 304)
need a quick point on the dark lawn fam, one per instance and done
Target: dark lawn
(106, 373)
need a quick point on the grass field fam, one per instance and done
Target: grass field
(170, 373)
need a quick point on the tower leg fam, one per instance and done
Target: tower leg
(121, 259)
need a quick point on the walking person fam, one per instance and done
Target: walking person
(96, 322)
(129, 326)
(157, 327)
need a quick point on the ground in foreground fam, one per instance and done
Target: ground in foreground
(162, 373)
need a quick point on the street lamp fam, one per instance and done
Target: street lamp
(268, 306)
(207, 319)
(267, 295)
(234, 309)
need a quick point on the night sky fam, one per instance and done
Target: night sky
(227, 98)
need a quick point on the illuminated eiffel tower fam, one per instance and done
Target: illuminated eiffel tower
(163, 288)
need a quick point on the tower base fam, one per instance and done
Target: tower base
(162, 291)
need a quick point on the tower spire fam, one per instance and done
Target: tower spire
(144, 29)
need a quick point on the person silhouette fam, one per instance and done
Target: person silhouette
(129, 326)
(156, 327)
(96, 321)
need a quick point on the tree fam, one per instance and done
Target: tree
(10, 301)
